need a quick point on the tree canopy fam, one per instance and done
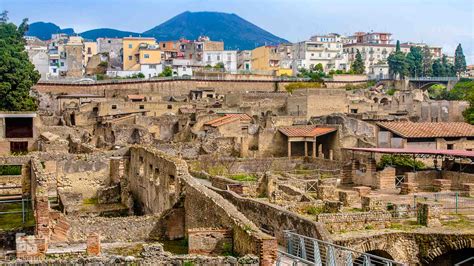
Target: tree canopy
(17, 74)
(397, 63)
(459, 60)
(358, 66)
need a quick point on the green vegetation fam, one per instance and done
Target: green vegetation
(17, 74)
(227, 250)
(167, 72)
(358, 66)
(302, 85)
(460, 222)
(459, 60)
(350, 87)
(219, 66)
(315, 73)
(405, 225)
(401, 161)
(176, 246)
(391, 91)
(13, 221)
(90, 201)
(438, 92)
(188, 263)
(243, 177)
(10, 169)
(369, 227)
(313, 210)
(418, 63)
(134, 250)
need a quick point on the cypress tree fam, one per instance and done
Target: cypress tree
(358, 66)
(459, 60)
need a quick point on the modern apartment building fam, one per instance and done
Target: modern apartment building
(373, 37)
(114, 48)
(326, 50)
(137, 50)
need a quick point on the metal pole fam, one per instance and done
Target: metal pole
(456, 202)
(22, 210)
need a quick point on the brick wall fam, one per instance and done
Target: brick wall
(336, 222)
(209, 241)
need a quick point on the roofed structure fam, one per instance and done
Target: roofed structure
(306, 131)
(228, 118)
(429, 129)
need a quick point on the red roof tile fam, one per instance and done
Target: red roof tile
(429, 129)
(306, 131)
(228, 118)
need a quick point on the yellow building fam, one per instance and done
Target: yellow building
(90, 49)
(266, 59)
(131, 51)
(150, 55)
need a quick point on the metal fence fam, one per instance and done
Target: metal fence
(453, 202)
(303, 250)
(24, 211)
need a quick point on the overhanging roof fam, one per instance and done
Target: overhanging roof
(432, 152)
(306, 131)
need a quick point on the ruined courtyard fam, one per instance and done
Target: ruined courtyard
(237, 172)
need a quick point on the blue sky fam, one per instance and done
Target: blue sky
(439, 22)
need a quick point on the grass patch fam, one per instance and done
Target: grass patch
(127, 251)
(90, 201)
(313, 210)
(10, 169)
(405, 226)
(243, 177)
(461, 222)
(369, 227)
(12, 221)
(176, 246)
(355, 210)
(302, 85)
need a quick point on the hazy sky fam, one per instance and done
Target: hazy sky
(438, 22)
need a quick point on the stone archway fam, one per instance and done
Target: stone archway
(449, 251)
(380, 253)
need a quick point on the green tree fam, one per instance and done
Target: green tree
(167, 72)
(469, 112)
(358, 66)
(427, 70)
(17, 74)
(397, 63)
(438, 68)
(459, 60)
(448, 67)
(415, 61)
(4, 16)
(219, 66)
(315, 73)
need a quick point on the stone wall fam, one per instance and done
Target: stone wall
(114, 229)
(274, 219)
(410, 248)
(337, 222)
(159, 182)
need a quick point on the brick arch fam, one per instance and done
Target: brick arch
(451, 246)
(377, 244)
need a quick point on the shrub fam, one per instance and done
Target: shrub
(302, 85)
(10, 169)
(401, 161)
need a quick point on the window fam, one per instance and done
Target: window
(89, 50)
(54, 70)
(169, 106)
(353, 111)
(164, 45)
(208, 58)
(218, 58)
(146, 55)
(142, 107)
(62, 64)
(19, 127)
(130, 46)
(450, 147)
(109, 41)
(114, 107)
(130, 57)
(18, 146)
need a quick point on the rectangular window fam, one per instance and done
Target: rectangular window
(130, 46)
(450, 146)
(114, 107)
(142, 107)
(62, 64)
(146, 56)
(130, 57)
(20, 146)
(19, 127)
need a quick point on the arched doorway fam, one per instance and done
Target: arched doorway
(453, 257)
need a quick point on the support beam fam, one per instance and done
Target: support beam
(314, 149)
(289, 149)
(305, 149)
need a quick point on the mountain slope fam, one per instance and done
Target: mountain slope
(236, 32)
(43, 30)
(110, 33)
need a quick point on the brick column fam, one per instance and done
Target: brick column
(93, 244)
(347, 173)
(428, 214)
(42, 217)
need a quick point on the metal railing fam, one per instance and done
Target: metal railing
(432, 78)
(453, 202)
(25, 207)
(310, 251)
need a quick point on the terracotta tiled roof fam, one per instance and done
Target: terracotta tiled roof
(429, 129)
(228, 118)
(306, 131)
(135, 97)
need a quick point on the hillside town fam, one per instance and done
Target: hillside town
(337, 150)
(72, 57)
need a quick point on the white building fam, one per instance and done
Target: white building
(182, 68)
(226, 57)
(326, 50)
(151, 70)
(374, 56)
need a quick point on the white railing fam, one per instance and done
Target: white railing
(313, 251)
(432, 78)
